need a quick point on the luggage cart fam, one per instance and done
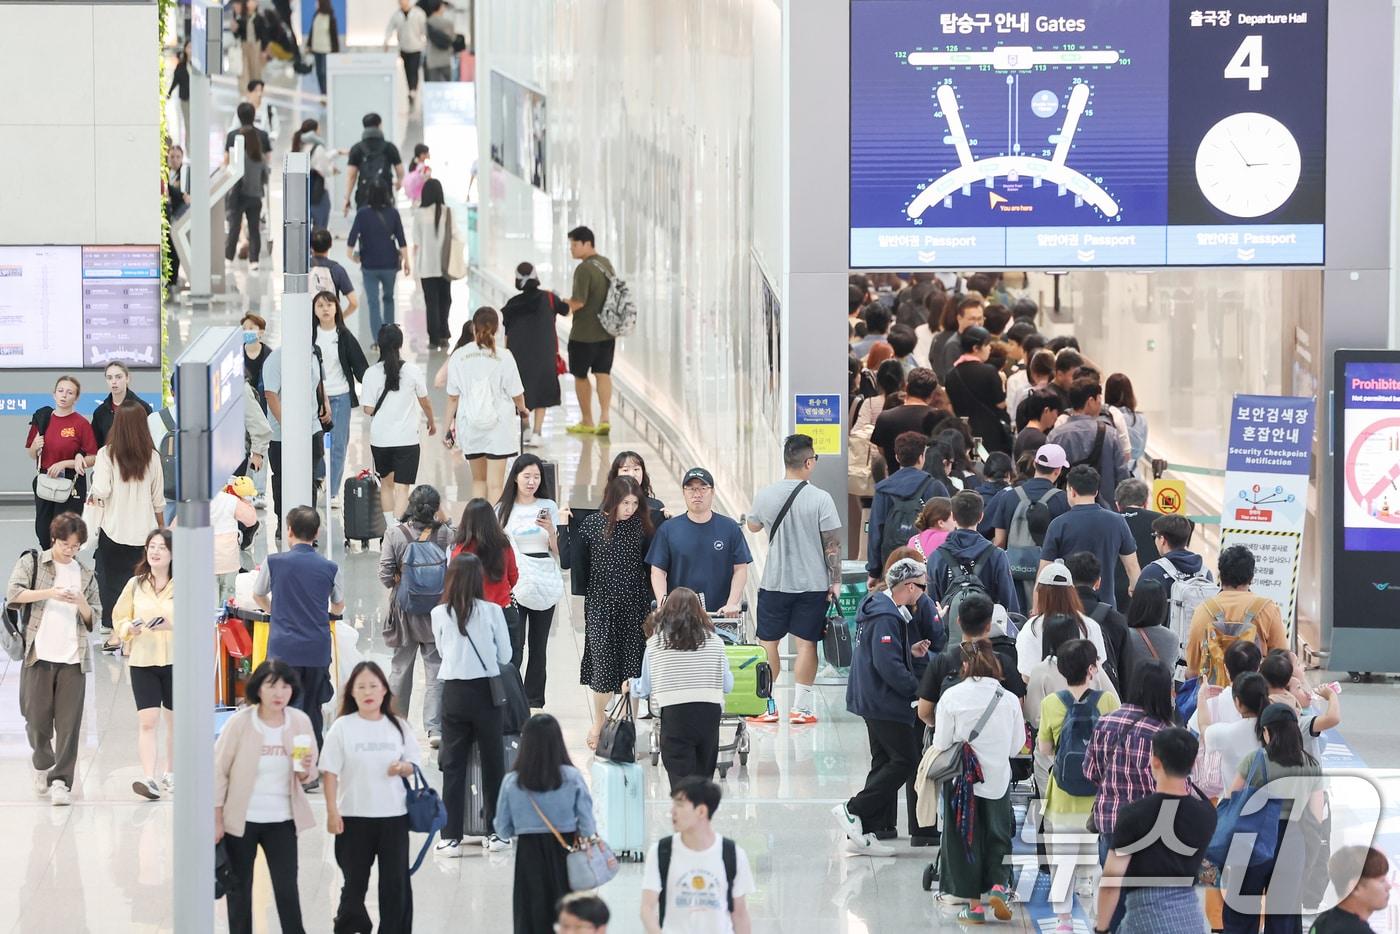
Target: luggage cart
(733, 630)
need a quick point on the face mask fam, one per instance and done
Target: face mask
(250, 337)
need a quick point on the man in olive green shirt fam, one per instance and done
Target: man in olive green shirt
(590, 347)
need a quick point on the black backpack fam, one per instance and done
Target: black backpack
(1096, 452)
(900, 519)
(964, 578)
(167, 453)
(728, 852)
(375, 167)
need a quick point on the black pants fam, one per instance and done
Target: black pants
(690, 740)
(516, 627)
(412, 65)
(238, 206)
(315, 690)
(365, 840)
(541, 879)
(892, 762)
(45, 511)
(1279, 882)
(437, 296)
(889, 819)
(535, 630)
(468, 716)
(279, 846)
(320, 58)
(115, 564)
(274, 459)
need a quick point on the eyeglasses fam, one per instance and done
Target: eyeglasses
(923, 587)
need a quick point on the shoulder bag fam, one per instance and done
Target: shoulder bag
(946, 765)
(496, 682)
(1254, 827)
(426, 812)
(454, 257)
(590, 862)
(14, 617)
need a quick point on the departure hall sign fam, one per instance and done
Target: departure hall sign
(991, 133)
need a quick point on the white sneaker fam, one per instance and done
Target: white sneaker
(335, 502)
(850, 824)
(495, 844)
(168, 783)
(532, 440)
(41, 783)
(59, 795)
(434, 740)
(449, 849)
(147, 788)
(867, 845)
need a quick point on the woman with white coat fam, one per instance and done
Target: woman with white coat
(485, 403)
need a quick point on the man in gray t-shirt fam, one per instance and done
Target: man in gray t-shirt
(802, 573)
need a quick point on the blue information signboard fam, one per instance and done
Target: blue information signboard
(1101, 133)
(819, 418)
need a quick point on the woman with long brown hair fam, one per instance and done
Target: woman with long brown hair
(686, 674)
(485, 403)
(368, 750)
(144, 616)
(128, 491)
(612, 561)
(977, 817)
(1055, 595)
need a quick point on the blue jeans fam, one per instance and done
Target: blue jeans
(1122, 907)
(321, 212)
(340, 438)
(381, 311)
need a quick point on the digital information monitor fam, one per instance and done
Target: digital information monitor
(1098, 133)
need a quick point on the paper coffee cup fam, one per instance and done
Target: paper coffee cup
(301, 745)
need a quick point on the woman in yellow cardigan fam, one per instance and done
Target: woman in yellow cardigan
(143, 618)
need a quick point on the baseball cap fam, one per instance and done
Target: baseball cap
(905, 569)
(1055, 574)
(698, 473)
(1052, 456)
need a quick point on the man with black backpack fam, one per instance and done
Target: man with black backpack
(1085, 571)
(697, 879)
(945, 669)
(899, 498)
(966, 563)
(1090, 440)
(372, 159)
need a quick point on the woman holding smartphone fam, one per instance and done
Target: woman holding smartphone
(368, 750)
(530, 517)
(263, 761)
(142, 616)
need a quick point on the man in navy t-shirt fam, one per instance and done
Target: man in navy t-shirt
(702, 550)
(1090, 527)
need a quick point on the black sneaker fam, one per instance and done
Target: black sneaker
(885, 834)
(934, 840)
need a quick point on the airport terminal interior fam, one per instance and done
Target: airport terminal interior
(1202, 204)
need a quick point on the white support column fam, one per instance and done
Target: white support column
(298, 387)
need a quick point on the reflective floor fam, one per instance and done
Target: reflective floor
(104, 864)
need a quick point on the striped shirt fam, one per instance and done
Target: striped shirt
(676, 676)
(1119, 762)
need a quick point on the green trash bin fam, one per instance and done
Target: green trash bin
(853, 588)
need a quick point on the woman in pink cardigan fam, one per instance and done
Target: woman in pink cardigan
(262, 760)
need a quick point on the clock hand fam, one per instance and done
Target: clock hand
(1236, 147)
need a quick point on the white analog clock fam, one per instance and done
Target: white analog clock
(1248, 164)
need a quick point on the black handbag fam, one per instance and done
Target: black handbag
(517, 708)
(836, 637)
(495, 682)
(618, 741)
(224, 879)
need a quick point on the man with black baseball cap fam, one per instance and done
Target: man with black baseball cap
(702, 550)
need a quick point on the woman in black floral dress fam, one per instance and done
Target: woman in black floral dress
(615, 542)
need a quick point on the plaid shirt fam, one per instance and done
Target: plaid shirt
(1119, 761)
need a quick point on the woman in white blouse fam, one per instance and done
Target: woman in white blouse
(393, 392)
(530, 517)
(128, 492)
(485, 403)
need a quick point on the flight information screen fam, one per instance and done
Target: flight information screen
(1098, 133)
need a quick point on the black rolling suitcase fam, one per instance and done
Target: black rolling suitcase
(362, 514)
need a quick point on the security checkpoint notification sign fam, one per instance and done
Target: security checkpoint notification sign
(1266, 490)
(819, 418)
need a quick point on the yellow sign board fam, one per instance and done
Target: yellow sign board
(826, 439)
(1169, 496)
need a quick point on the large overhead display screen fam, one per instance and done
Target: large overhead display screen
(1094, 133)
(79, 306)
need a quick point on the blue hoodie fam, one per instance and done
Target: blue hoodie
(1186, 562)
(967, 545)
(904, 482)
(884, 678)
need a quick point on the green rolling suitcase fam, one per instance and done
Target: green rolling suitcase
(753, 681)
